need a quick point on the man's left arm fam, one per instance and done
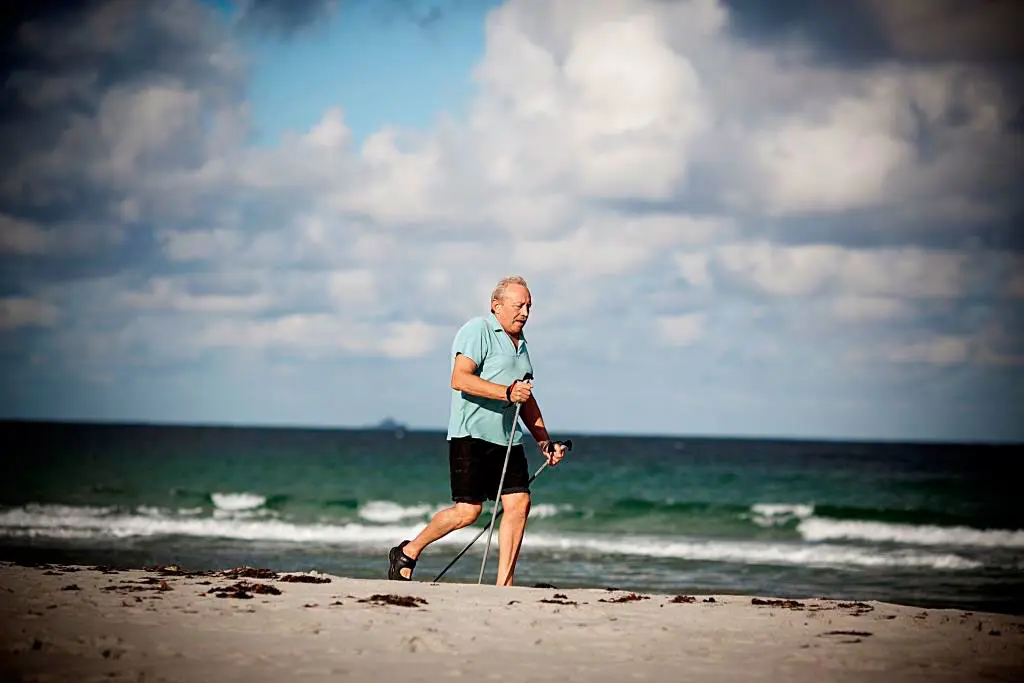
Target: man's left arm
(534, 421)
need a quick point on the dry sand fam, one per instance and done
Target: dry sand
(61, 623)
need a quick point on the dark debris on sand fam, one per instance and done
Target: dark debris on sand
(51, 569)
(785, 604)
(683, 599)
(147, 584)
(626, 598)
(265, 573)
(396, 600)
(304, 578)
(175, 570)
(857, 635)
(242, 590)
(559, 599)
(243, 572)
(249, 573)
(858, 607)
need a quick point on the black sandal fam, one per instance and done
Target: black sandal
(399, 561)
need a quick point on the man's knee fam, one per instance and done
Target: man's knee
(516, 505)
(467, 513)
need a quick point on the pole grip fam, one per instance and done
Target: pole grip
(567, 443)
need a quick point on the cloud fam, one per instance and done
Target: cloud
(807, 167)
(166, 294)
(797, 143)
(284, 18)
(858, 309)
(290, 18)
(29, 238)
(906, 273)
(942, 350)
(94, 116)
(317, 336)
(952, 29)
(17, 312)
(199, 245)
(870, 30)
(681, 330)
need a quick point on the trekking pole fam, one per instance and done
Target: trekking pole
(568, 447)
(501, 482)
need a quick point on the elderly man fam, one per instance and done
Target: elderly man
(489, 360)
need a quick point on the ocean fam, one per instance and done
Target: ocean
(918, 524)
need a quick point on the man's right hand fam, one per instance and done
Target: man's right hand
(521, 392)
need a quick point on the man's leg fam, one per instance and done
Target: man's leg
(465, 483)
(515, 509)
(440, 525)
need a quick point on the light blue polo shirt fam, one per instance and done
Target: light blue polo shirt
(497, 360)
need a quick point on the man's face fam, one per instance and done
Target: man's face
(513, 309)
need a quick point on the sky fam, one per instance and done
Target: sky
(792, 219)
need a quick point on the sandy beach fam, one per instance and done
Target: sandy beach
(77, 623)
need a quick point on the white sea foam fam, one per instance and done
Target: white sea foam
(69, 510)
(774, 514)
(84, 523)
(812, 528)
(151, 511)
(65, 534)
(234, 502)
(387, 512)
(820, 529)
(545, 510)
(60, 522)
(754, 552)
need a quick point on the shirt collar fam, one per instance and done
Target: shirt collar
(496, 326)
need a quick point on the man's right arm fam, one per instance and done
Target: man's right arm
(464, 378)
(469, 349)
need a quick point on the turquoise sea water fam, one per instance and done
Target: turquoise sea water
(930, 525)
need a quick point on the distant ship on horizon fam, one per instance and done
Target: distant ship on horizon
(389, 424)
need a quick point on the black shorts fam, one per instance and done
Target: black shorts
(476, 469)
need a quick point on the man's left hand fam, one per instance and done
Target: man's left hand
(554, 452)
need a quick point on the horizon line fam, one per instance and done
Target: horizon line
(381, 426)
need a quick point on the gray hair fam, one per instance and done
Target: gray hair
(499, 289)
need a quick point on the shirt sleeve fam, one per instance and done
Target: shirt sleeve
(470, 342)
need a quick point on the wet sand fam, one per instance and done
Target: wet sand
(60, 623)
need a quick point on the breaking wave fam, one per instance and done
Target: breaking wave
(820, 529)
(70, 522)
